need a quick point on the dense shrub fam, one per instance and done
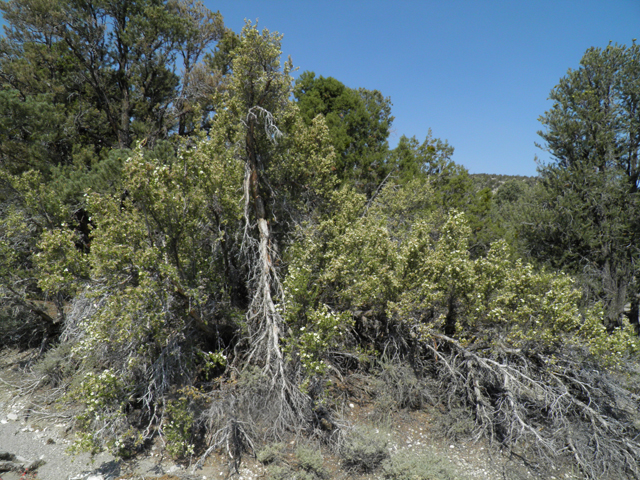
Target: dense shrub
(408, 465)
(365, 449)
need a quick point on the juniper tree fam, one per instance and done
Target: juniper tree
(192, 248)
(359, 124)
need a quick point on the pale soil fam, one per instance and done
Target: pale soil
(31, 433)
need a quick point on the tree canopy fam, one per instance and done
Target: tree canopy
(359, 123)
(585, 220)
(204, 250)
(106, 72)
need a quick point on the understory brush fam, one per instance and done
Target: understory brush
(410, 466)
(364, 449)
(396, 386)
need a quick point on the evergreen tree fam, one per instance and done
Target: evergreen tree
(80, 82)
(359, 122)
(190, 256)
(108, 69)
(586, 218)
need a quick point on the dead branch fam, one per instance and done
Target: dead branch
(550, 409)
(264, 317)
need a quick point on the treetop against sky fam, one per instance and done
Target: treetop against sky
(478, 73)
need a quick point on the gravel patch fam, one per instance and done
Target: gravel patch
(29, 442)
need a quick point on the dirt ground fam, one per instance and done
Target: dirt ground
(30, 432)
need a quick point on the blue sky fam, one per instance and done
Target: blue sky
(478, 73)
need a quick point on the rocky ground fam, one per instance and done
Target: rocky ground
(34, 445)
(43, 444)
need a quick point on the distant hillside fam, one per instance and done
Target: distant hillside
(493, 181)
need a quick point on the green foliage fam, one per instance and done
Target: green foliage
(423, 466)
(156, 263)
(295, 159)
(365, 449)
(178, 425)
(30, 208)
(399, 259)
(101, 174)
(62, 266)
(66, 96)
(494, 182)
(165, 259)
(102, 396)
(451, 183)
(432, 157)
(509, 192)
(493, 298)
(16, 244)
(359, 122)
(213, 362)
(452, 186)
(583, 218)
(288, 171)
(323, 329)
(310, 461)
(30, 136)
(221, 59)
(348, 259)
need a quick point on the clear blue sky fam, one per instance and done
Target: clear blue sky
(478, 73)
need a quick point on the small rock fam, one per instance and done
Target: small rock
(12, 416)
(36, 464)
(95, 476)
(50, 441)
(8, 466)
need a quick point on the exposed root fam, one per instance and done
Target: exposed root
(252, 410)
(236, 440)
(549, 407)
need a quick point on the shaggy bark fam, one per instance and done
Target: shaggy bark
(264, 319)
